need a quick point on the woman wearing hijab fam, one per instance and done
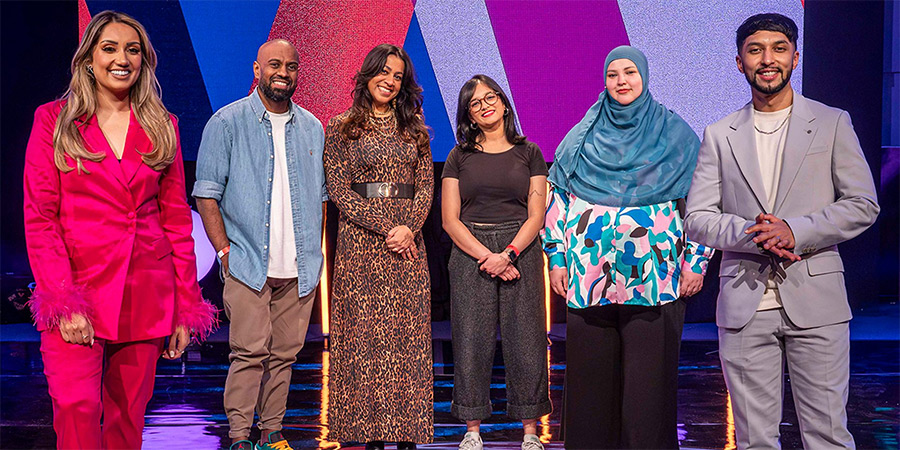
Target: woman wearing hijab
(619, 255)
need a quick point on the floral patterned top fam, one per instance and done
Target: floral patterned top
(619, 255)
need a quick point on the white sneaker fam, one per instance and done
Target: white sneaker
(472, 441)
(531, 442)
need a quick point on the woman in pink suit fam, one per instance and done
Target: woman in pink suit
(108, 232)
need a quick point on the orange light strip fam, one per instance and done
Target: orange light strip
(545, 435)
(729, 425)
(546, 290)
(547, 281)
(324, 443)
(545, 419)
(323, 284)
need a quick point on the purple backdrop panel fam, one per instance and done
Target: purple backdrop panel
(553, 52)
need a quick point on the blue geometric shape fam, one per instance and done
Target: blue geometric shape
(433, 104)
(226, 37)
(177, 70)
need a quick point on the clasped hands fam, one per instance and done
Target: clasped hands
(78, 330)
(689, 283)
(774, 235)
(402, 240)
(498, 265)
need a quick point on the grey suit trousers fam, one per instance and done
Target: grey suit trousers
(818, 360)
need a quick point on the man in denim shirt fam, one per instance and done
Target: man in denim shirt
(260, 187)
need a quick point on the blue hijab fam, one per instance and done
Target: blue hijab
(633, 155)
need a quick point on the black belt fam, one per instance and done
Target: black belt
(384, 190)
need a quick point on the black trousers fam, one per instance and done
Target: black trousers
(622, 376)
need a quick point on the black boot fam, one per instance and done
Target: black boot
(375, 445)
(403, 445)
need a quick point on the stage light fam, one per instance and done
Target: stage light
(547, 275)
(545, 419)
(203, 249)
(323, 283)
(547, 290)
(324, 443)
(729, 424)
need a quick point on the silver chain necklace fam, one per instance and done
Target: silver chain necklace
(776, 129)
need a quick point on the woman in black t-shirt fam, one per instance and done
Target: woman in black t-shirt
(493, 201)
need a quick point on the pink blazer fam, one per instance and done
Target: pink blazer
(114, 244)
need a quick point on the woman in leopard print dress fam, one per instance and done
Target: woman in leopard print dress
(379, 174)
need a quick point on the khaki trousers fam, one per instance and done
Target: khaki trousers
(268, 329)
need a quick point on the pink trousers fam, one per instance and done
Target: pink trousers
(112, 380)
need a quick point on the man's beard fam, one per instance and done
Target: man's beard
(769, 90)
(276, 95)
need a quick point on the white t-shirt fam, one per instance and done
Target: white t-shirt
(282, 246)
(771, 134)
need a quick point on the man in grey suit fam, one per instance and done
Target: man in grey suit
(779, 183)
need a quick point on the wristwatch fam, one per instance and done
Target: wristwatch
(511, 254)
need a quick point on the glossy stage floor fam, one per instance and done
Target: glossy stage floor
(186, 410)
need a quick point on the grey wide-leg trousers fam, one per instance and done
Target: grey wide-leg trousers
(478, 302)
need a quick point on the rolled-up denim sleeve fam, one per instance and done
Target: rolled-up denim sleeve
(213, 160)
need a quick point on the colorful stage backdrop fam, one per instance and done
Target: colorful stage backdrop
(547, 55)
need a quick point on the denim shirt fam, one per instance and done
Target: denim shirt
(235, 164)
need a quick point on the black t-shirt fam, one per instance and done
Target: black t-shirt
(493, 187)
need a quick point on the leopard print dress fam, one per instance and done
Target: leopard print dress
(380, 381)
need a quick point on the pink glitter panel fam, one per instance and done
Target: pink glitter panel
(84, 17)
(332, 38)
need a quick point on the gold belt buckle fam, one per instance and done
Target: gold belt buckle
(388, 190)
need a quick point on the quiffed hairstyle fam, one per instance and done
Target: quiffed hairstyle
(768, 22)
(81, 101)
(407, 104)
(467, 132)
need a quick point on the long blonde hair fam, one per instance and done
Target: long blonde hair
(81, 101)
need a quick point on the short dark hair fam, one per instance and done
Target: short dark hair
(467, 133)
(768, 22)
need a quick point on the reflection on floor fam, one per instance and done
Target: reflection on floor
(186, 410)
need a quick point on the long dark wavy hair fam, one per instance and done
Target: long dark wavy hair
(407, 104)
(467, 132)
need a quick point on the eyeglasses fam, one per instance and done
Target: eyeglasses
(490, 99)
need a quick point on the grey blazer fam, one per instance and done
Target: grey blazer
(825, 193)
